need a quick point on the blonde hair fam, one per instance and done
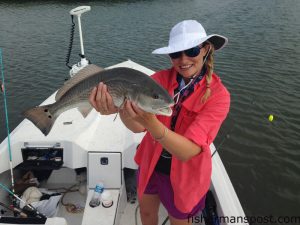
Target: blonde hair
(210, 68)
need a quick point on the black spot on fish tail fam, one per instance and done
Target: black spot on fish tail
(41, 117)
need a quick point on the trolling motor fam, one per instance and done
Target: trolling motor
(83, 62)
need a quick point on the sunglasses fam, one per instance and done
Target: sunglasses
(192, 52)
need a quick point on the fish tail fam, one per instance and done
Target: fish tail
(41, 117)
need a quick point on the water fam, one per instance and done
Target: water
(260, 67)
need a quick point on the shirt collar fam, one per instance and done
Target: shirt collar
(175, 80)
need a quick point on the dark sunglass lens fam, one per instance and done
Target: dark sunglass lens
(175, 55)
(193, 52)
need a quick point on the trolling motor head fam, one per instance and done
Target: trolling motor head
(80, 10)
(83, 62)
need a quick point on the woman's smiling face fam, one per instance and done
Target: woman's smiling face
(190, 66)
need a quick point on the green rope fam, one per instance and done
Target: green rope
(6, 189)
(5, 105)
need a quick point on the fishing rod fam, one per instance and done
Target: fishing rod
(37, 213)
(226, 137)
(14, 210)
(6, 119)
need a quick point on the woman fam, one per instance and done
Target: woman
(174, 157)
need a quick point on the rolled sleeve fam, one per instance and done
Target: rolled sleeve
(208, 121)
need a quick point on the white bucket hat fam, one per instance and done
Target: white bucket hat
(188, 34)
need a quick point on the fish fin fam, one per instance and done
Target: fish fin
(41, 117)
(85, 111)
(123, 103)
(120, 107)
(88, 71)
(116, 116)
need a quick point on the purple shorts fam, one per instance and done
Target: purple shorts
(160, 184)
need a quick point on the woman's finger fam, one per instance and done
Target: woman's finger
(99, 91)
(100, 99)
(110, 103)
(103, 98)
(129, 110)
(101, 102)
(136, 109)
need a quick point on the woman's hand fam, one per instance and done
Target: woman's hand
(102, 101)
(131, 111)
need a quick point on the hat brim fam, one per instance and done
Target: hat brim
(218, 42)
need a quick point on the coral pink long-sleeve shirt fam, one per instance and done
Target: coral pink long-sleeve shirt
(200, 123)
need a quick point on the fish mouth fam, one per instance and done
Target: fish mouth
(166, 111)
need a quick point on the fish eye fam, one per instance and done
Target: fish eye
(155, 96)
